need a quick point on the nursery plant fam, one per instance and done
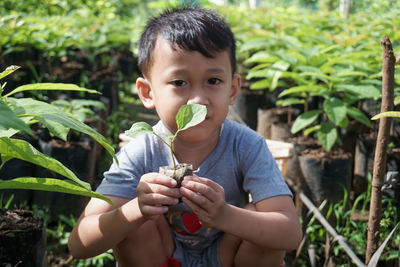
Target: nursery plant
(188, 116)
(18, 114)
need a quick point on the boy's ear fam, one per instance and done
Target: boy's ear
(145, 93)
(235, 89)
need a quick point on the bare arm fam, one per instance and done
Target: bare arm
(274, 224)
(101, 226)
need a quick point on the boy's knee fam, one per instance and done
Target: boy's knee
(250, 255)
(152, 239)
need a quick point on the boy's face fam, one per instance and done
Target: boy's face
(178, 77)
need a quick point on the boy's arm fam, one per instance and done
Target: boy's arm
(102, 226)
(274, 225)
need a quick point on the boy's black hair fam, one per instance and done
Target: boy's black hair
(188, 28)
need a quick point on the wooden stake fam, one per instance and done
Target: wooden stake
(388, 62)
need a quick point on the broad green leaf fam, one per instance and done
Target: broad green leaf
(357, 114)
(327, 136)
(50, 86)
(53, 113)
(261, 57)
(397, 100)
(304, 120)
(361, 91)
(280, 65)
(255, 44)
(394, 114)
(351, 73)
(302, 89)
(320, 76)
(190, 115)
(8, 119)
(20, 149)
(289, 101)
(344, 123)
(50, 184)
(8, 71)
(334, 109)
(138, 129)
(76, 103)
(55, 128)
(260, 85)
(258, 74)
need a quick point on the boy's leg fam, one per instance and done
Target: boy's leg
(233, 250)
(150, 245)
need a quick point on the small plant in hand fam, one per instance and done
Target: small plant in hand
(188, 116)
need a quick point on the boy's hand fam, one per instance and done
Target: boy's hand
(205, 198)
(154, 192)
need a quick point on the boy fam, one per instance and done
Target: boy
(187, 56)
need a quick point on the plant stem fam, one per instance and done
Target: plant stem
(388, 67)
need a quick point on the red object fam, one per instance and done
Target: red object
(171, 262)
(192, 223)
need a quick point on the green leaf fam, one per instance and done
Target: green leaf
(49, 112)
(280, 65)
(289, 101)
(395, 114)
(261, 57)
(138, 129)
(320, 76)
(327, 136)
(360, 91)
(351, 73)
(397, 100)
(311, 130)
(55, 128)
(50, 184)
(77, 103)
(302, 89)
(20, 149)
(335, 110)
(190, 115)
(8, 119)
(261, 84)
(51, 86)
(304, 120)
(358, 116)
(8, 71)
(255, 44)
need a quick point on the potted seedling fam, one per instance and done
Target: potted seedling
(19, 229)
(188, 116)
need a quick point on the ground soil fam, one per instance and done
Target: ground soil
(11, 220)
(321, 153)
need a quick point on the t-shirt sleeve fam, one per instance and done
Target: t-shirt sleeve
(122, 179)
(262, 177)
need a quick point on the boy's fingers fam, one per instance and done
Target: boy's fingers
(197, 198)
(154, 199)
(216, 187)
(203, 188)
(153, 210)
(157, 178)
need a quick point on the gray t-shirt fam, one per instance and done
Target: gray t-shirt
(241, 163)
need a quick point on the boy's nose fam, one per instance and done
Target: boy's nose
(199, 97)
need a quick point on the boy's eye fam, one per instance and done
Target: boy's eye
(214, 81)
(179, 83)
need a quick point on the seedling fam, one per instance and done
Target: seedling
(188, 116)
